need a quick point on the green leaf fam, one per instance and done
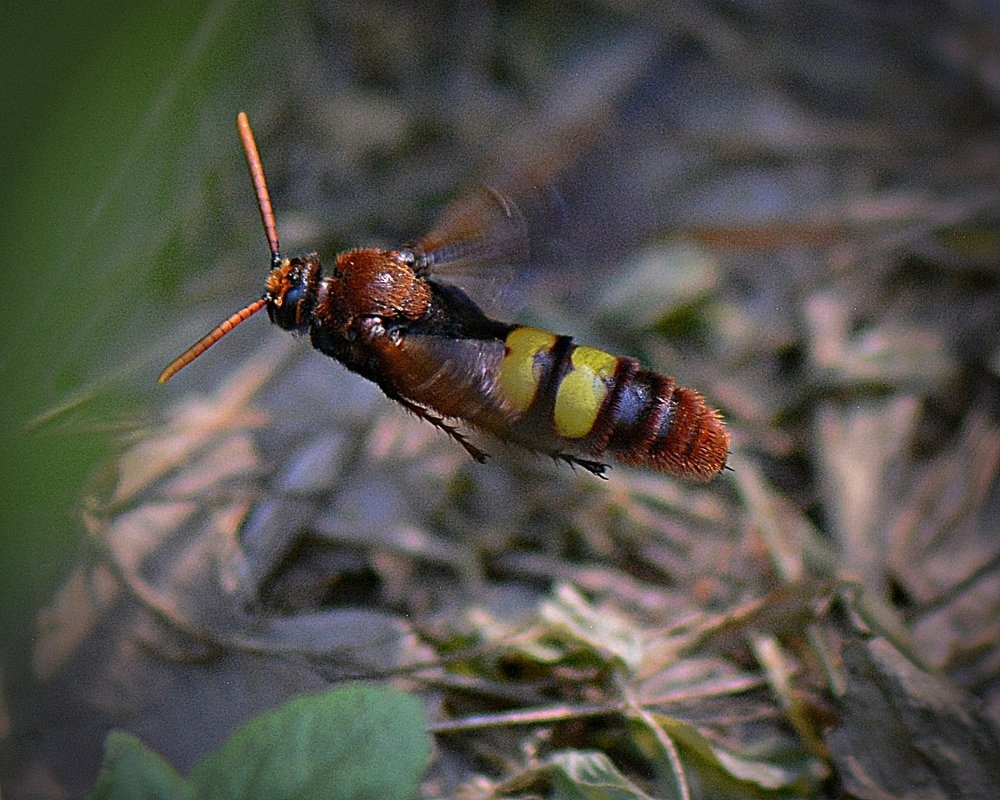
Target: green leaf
(352, 742)
(799, 772)
(589, 775)
(131, 771)
(569, 615)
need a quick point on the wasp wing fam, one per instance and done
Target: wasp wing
(564, 193)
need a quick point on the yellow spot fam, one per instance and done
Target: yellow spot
(519, 374)
(582, 392)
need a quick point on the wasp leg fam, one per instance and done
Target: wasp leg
(593, 467)
(440, 424)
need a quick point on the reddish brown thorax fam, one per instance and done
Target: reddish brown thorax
(373, 283)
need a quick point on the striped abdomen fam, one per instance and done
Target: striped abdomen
(590, 402)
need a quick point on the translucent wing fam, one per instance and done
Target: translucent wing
(563, 193)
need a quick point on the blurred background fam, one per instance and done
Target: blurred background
(106, 163)
(818, 254)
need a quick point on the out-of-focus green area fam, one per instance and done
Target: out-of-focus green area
(111, 115)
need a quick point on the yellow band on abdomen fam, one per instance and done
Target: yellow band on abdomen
(581, 393)
(519, 375)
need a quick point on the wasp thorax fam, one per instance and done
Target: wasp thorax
(382, 283)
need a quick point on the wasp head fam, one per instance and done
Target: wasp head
(290, 292)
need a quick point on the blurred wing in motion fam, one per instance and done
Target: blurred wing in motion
(564, 194)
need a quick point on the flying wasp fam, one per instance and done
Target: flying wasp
(388, 316)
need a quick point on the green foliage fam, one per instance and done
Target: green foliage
(134, 771)
(578, 624)
(585, 775)
(334, 745)
(122, 115)
(634, 683)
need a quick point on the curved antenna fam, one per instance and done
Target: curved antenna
(259, 185)
(209, 339)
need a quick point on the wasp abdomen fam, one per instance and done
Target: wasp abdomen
(668, 428)
(593, 402)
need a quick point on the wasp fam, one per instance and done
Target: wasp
(390, 317)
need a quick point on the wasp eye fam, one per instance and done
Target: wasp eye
(288, 307)
(293, 295)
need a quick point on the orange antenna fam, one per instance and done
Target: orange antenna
(208, 340)
(259, 185)
(270, 230)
